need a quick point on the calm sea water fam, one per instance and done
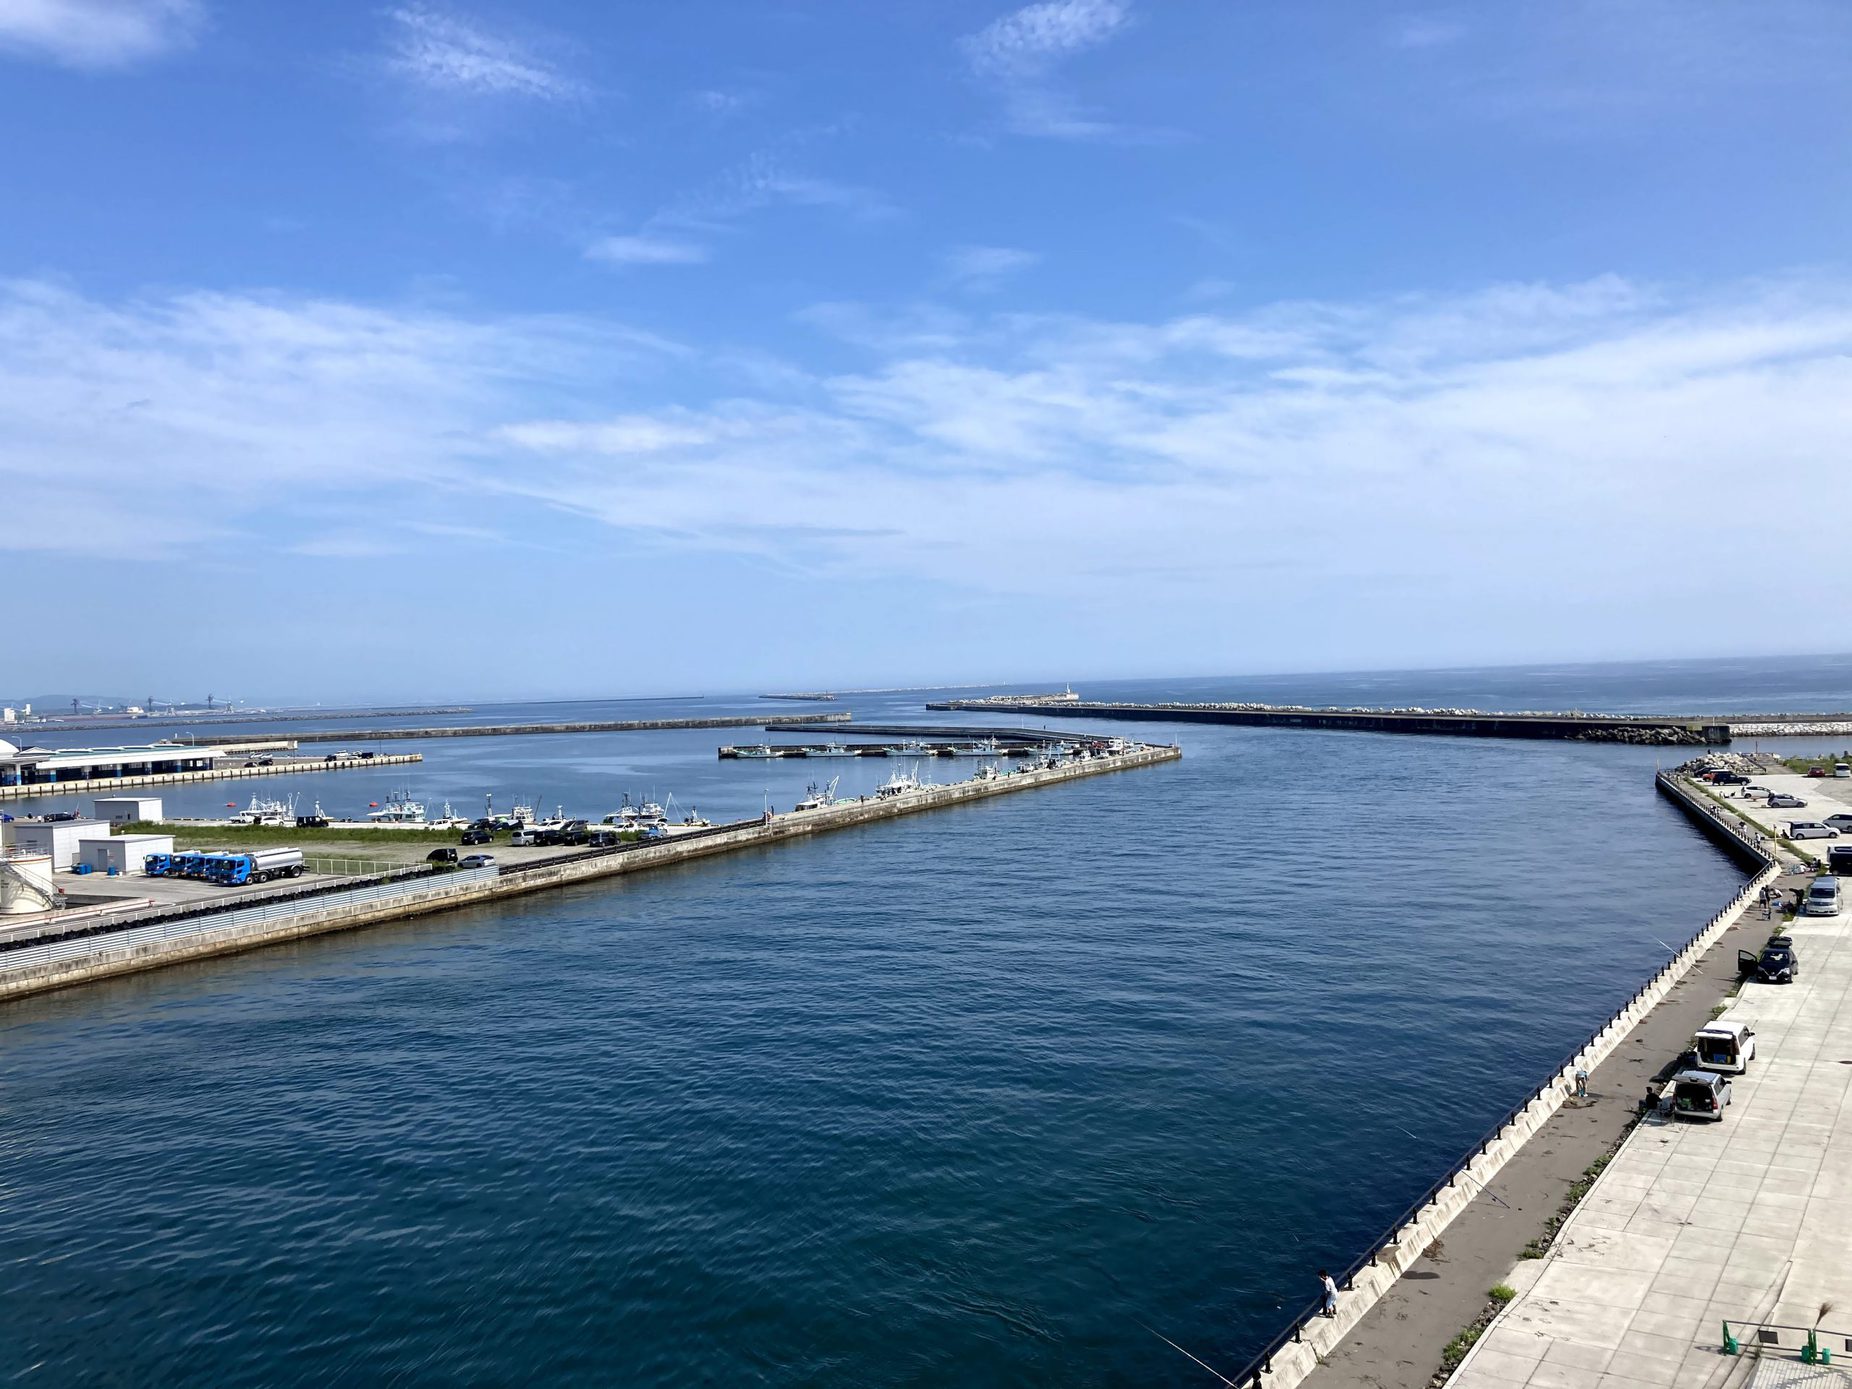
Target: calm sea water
(956, 1100)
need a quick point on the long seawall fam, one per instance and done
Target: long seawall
(506, 730)
(62, 963)
(1296, 1351)
(1676, 731)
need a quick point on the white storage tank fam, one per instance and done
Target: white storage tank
(25, 883)
(126, 853)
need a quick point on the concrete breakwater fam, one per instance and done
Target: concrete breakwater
(62, 963)
(202, 718)
(284, 767)
(1294, 1354)
(1466, 723)
(505, 730)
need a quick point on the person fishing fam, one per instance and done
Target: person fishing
(1331, 1293)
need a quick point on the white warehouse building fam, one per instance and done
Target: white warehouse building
(124, 810)
(123, 853)
(59, 838)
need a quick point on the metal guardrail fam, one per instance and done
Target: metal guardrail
(199, 921)
(1812, 1343)
(1262, 1363)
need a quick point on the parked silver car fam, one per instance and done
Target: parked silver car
(1810, 829)
(1700, 1094)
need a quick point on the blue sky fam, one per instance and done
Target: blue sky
(363, 351)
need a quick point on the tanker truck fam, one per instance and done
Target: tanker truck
(256, 866)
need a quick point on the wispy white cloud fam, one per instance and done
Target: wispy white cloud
(645, 250)
(98, 33)
(444, 53)
(1029, 41)
(984, 268)
(718, 103)
(118, 414)
(769, 178)
(1517, 440)
(1021, 51)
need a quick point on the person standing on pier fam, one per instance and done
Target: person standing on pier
(1331, 1293)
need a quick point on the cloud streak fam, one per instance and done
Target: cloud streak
(98, 34)
(645, 250)
(442, 53)
(1021, 52)
(981, 269)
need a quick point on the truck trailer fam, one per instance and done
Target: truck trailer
(225, 868)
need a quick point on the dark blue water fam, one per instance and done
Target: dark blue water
(954, 1100)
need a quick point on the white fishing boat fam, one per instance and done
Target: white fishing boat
(262, 811)
(819, 800)
(988, 747)
(399, 809)
(693, 820)
(831, 750)
(899, 784)
(755, 750)
(912, 749)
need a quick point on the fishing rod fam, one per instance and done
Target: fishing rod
(1471, 1178)
(1180, 1350)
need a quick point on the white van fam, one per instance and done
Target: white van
(1842, 769)
(522, 839)
(1822, 898)
(1725, 1045)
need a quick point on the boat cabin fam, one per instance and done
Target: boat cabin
(1725, 1045)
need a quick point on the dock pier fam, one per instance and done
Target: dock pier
(50, 959)
(285, 767)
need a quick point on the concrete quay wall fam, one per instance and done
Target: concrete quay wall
(107, 784)
(442, 893)
(1315, 1336)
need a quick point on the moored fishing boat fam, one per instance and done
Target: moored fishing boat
(815, 799)
(899, 784)
(399, 809)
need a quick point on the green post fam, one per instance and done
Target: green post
(1730, 1347)
(1810, 1353)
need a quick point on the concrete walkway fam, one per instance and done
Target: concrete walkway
(1695, 1223)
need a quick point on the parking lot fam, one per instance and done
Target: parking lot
(1822, 798)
